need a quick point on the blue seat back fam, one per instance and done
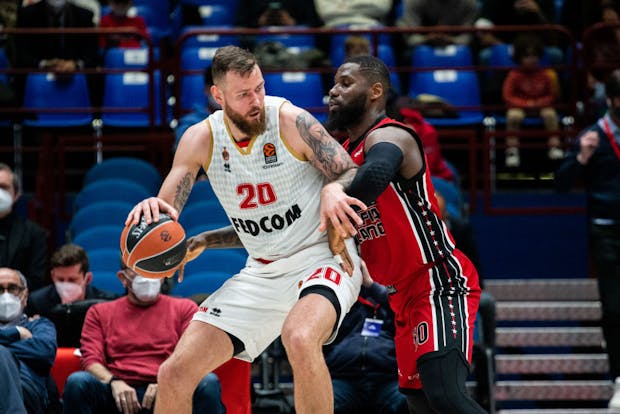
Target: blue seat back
(193, 84)
(108, 280)
(447, 57)
(100, 237)
(197, 215)
(205, 282)
(118, 87)
(211, 40)
(214, 14)
(46, 90)
(230, 261)
(105, 213)
(302, 89)
(129, 168)
(111, 189)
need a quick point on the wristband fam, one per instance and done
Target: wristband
(114, 378)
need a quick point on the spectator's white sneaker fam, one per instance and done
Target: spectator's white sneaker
(512, 157)
(615, 400)
(555, 153)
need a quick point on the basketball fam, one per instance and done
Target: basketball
(154, 250)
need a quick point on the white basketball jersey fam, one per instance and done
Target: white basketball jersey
(271, 196)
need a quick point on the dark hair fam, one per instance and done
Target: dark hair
(373, 69)
(612, 85)
(527, 45)
(5, 167)
(70, 255)
(232, 59)
(207, 76)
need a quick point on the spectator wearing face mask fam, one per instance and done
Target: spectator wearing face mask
(23, 243)
(123, 344)
(71, 286)
(27, 349)
(118, 18)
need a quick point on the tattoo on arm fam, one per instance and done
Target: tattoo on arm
(182, 192)
(329, 156)
(222, 238)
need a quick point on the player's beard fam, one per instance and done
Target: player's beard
(348, 115)
(250, 128)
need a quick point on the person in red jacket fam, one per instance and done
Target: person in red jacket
(118, 18)
(530, 90)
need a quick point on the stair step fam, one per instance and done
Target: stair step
(562, 411)
(552, 364)
(513, 337)
(542, 289)
(553, 390)
(548, 311)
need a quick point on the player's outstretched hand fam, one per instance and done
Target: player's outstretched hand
(195, 246)
(337, 208)
(339, 249)
(150, 209)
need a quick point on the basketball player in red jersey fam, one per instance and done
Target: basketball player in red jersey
(405, 244)
(267, 161)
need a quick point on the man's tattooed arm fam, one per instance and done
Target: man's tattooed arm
(328, 155)
(183, 189)
(222, 238)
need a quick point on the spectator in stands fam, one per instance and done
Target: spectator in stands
(65, 301)
(362, 358)
(23, 243)
(27, 349)
(150, 325)
(595, 158)
(261, 13)
(118, 18)
(429, 13)
(355, 13)
(530, 90)
(430, 141)
(199, 112)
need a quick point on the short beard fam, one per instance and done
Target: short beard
(250, 128)
(347, 116)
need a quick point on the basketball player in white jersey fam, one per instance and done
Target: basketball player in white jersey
(268, 162)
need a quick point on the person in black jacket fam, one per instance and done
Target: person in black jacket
(66, 301)
(595, 158)
(23, 243)
(362, 358)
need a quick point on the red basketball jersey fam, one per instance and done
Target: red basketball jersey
(402, 232)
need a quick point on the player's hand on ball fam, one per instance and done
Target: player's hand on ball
(195, 246)
(339, 249)
(150, 209)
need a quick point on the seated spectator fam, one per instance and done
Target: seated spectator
(199, 112)
(118, 18)
(362, 358)
(65, 301)
(356, 45)
(530, 90)
(261, 13)
(27, 349)
(356, 13)
(123, 344)
(430, 141)
(23, 243)
(428, 13)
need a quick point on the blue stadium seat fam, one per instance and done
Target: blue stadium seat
(100, 237)
(214, 14)
(205, 282)
(105, 213)
(293, 42)
(459, 88)
(203, 215)
(302, 89)
(4, 64)
(46, 90)
(201, 191)
(129, 168)
(336, 48)
(209, 40)
(192, 84)
(128, 58)
(111, 189)
(104, 260)
(157, 20)
(108, 280)
(229, 261)
(442, 57)
(118, 87)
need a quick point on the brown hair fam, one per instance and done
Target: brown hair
(232, 59)
(70, 255)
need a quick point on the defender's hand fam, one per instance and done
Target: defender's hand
(195, 246)
(339, 249)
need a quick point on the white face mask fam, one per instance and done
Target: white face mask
(10, 307)
(145, 289)
(6, 201)
(69, 291)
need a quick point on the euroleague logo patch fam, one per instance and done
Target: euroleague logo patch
(165, 236)
(269, 152)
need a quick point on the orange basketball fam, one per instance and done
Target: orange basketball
(154, 250)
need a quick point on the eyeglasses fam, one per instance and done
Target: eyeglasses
(13, 289)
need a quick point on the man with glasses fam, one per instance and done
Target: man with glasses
(27, 349)
(123, 343)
